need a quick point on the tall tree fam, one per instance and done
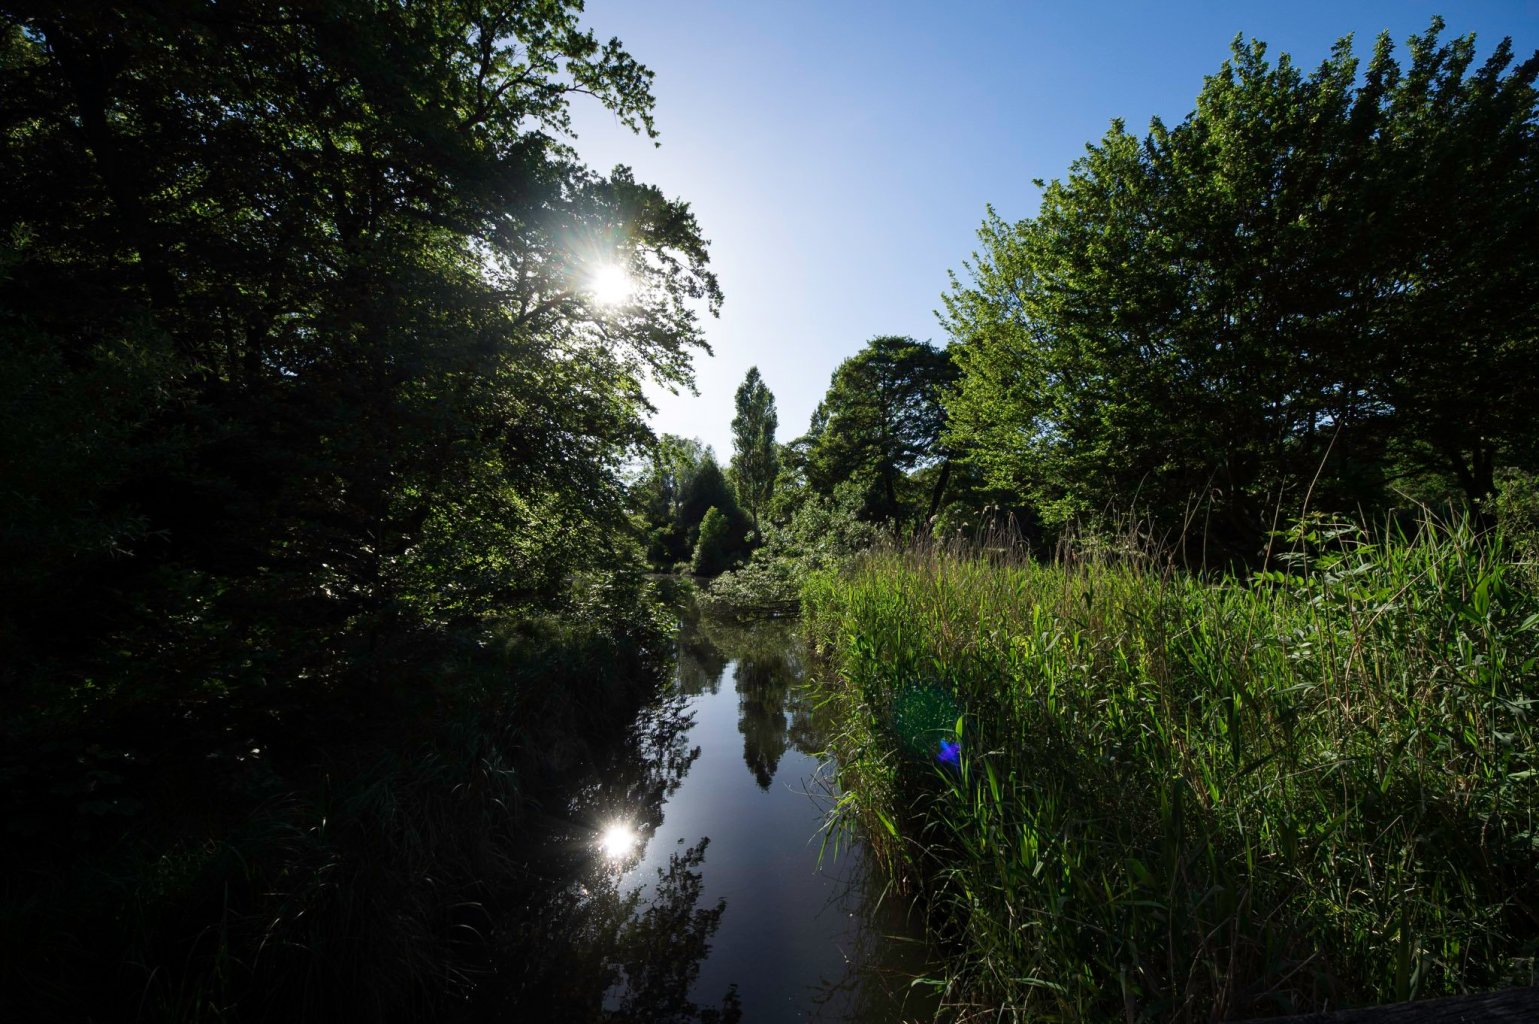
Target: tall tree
(755, 456)
(881, 419)
(306, 288)
(1258, 304)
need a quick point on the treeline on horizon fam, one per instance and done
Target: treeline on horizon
(1318, 291)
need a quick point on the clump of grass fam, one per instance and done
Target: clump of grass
(1164, 797)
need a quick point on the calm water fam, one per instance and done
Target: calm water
(793, 938)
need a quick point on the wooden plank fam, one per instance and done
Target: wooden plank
(1514, 1006)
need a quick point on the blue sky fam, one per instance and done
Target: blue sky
(839, 154)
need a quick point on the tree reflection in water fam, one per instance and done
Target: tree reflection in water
(770, 672)
(631, 955)
(868, 976)
(582, 948)
(700, 662)
(591, 942)
(761, 702)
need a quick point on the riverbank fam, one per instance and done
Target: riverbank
(1124, 792)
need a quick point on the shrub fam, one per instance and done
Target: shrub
(711, 548)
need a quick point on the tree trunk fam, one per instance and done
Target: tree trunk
(1477, 477)
(938, 492)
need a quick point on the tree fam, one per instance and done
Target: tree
(658, 497)
(707, 488)
(315, 444)
(322, 271)
(1215, 321)
(755, 456)
(713, 545)
(1457, 175)
(881, 419)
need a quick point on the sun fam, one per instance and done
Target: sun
(617, 841)
(610, 285)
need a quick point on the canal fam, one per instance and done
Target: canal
(779, 928)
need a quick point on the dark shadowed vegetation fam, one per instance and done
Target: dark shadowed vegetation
(335, 543)
(318, 594)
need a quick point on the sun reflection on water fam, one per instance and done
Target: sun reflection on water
(618, 841)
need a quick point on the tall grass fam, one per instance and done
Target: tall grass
(1125, 792)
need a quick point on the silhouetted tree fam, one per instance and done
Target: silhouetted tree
(881, 419)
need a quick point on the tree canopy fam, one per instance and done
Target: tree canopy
(314, 511)
(298, 331)
(881, 419)
(1316, 285)
(672, 498)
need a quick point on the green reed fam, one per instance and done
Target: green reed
(1163, 797)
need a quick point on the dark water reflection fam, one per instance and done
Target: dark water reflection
(798, 939)
(590, 943)
(721, 910)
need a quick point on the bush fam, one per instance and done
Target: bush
(822, 532)
(763, 586)
(712, 555)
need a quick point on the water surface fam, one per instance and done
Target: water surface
(799, 937)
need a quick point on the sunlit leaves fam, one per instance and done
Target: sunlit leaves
(1311, 286)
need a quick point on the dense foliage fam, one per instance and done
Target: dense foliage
(755, 456)
(299, 354)
(880, 422)
(309, 402)
(328, 493)
(817, 533)
(673, 495)
(1316, 289)
(871, 462)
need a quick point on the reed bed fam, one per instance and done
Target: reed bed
(1125, 792)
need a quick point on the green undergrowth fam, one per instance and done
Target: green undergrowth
(1121, 791)
(372, 852)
